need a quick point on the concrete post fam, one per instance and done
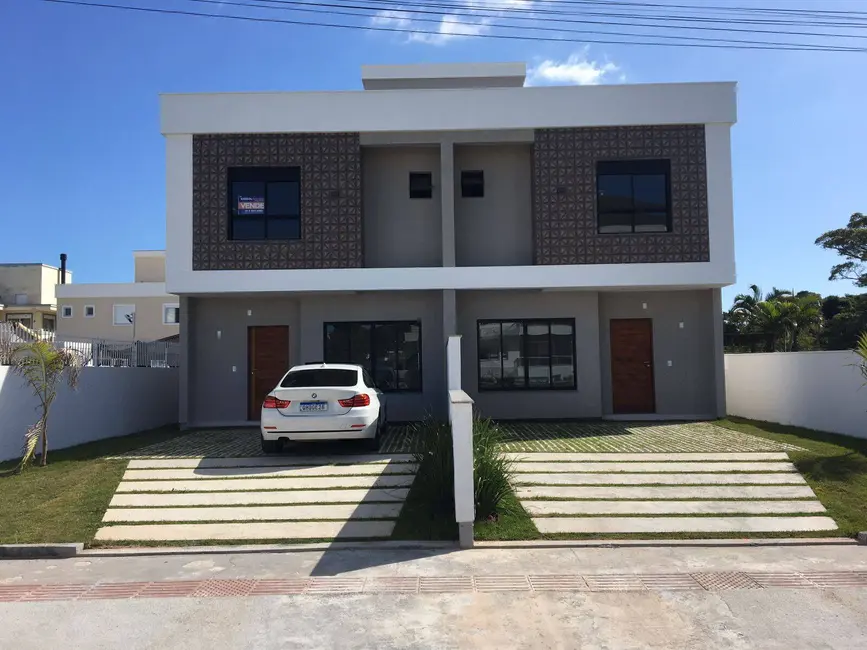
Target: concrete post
(719, 354)
(184, 328)
(461, 416)
(447, 201)
(453, 362)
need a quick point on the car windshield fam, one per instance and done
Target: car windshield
(320, 377)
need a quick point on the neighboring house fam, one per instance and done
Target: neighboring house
(577, 238)
(139, 310)
(27, 294)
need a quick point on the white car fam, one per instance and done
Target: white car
(323, 401)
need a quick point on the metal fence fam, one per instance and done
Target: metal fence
(96, 352)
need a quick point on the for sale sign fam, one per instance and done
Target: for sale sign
(251, 205)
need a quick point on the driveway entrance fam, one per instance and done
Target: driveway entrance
(194, 489)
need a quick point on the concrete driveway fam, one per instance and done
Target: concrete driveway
(191, 489)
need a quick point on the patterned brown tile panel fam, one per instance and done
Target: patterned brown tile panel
(330, 201)
(564, 220)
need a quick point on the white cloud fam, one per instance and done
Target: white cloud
(449, 27)
(577, 69)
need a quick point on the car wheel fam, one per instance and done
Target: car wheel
(372, 444)
(271, 446)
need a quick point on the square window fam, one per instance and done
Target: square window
(633, 196)
(420, 185)
(20, 298)
(264, 203)
(171, 314)
(473, 184)
(66, 311)
(89, 311)
(123, 314)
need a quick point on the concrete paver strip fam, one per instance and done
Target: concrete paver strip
(667, 492)
(670, 507)
(608, 525)
(249, 530)
(655, 467)
(622, 478)
(180, 499)
(229, 484)
(566, 457)
(268, 461)
(258, 513)
(277, 472)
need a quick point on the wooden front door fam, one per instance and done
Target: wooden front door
(267, 362)
(632, 365)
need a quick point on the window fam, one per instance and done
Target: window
(390, 351)
(89, 311)
(171, 314)
(420, 185)
(20, 298)
(473, 184)
(22, 319)
(633, 196)
(49, 324)
(123, 314)
(264, 203)
(526, 354)
(320, 377)
(66, 311)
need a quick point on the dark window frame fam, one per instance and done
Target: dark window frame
(372, 324)
(469, 186)
(426, 190)
(266, 176)
(524, 342)
(633, 168)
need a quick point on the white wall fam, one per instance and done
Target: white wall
(109, 402)
(817, 390)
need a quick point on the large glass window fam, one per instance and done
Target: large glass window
(526, 354)
(633, 196)
(389, 350)
(264, 203)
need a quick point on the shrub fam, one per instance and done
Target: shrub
(434, 482)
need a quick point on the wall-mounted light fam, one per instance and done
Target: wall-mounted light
(219, 334)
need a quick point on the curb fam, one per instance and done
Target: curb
(626, 543)
(35, 551)
(391, 545)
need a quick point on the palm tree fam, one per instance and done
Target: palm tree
(42, 365)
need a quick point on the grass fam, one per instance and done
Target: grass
(835, 466)
(65, 501)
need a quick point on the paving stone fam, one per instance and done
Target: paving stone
(270, 461)
(256, 513)
(231, 484)
(653, 467)
(265, 472)
(668, 492)
(605, 525)
(653, 457)
(257, 498)
(542, 508)
(245, 531)
(621, 478)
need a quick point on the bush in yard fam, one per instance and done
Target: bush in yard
(434, 482)
(42, 365)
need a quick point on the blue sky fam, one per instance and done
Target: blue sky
(81, 159)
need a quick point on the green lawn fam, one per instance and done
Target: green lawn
(65, 501)
(835, 466)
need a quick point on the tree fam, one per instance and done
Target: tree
(851, 243)
(861, 351)
(847, 319)
(781, 320)
(42, 365)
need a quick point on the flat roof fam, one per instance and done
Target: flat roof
(443, 75)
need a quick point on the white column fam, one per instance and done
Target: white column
(719, 369)
(461, 416)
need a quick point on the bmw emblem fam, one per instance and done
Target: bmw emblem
(314, 395)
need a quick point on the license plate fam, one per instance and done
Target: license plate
(306, 407)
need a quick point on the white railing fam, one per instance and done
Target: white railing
(100, 353)
(461, 420)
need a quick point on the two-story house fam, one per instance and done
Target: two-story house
(27, 294)
(140, 310)
(577, 238)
